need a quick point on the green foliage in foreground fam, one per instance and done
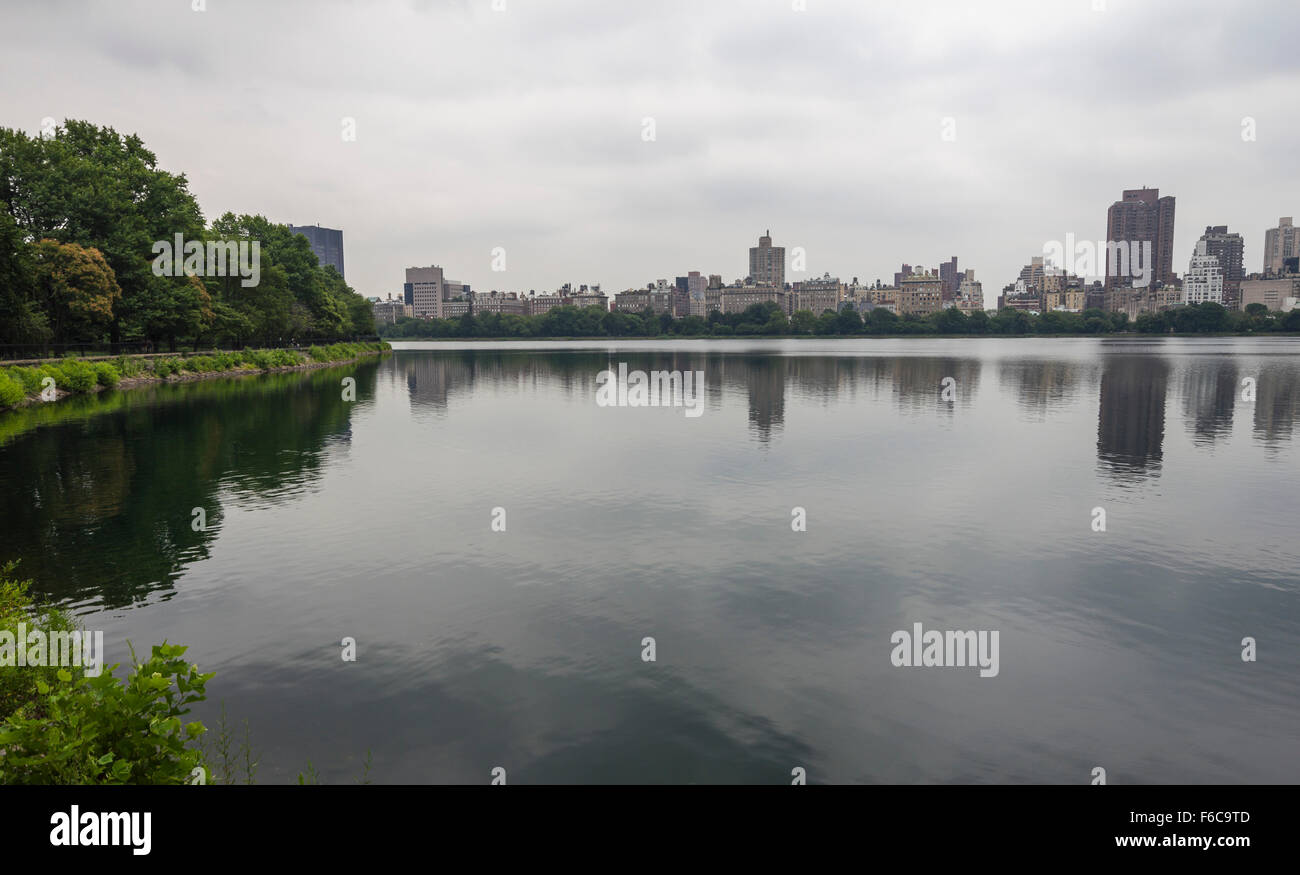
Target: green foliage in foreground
(59, 725)
(62, 726)
(18, 384)
(18, 686)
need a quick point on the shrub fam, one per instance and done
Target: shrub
(18, 687)
(76, 376)
(106, 375)
(165, 367)
(29, 378)
(97, 730)
(199, 364)
(11, 391)
(259, 358)
(129, 367)
(319, 354)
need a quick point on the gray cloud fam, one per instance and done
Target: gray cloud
(522, 128)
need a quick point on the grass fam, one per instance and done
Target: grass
(21, 384)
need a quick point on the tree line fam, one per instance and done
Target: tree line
(769, 319)
(81, 210)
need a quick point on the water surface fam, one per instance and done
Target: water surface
(523, 649)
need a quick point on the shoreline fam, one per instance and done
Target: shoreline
(1123, 335)
(127, 383)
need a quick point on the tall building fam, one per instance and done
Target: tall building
(1204, 279)
(949, 278)
(1279, 243)
(327, 243)
(921, 293)
(424, 291)
(970, 293)
(696, 283)
(1032, 276)
(1229, 250)
(900, 275)
(767, 263)
(1141, 216)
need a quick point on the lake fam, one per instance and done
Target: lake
(500, 547)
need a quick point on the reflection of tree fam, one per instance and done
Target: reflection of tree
(1209, 396)
(1131, 421)
(433, 377)
(1277, 400)
(101, 505)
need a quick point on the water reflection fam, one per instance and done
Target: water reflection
(1209, 397)
(1277, 403)
(1043, 386)
(1131, 418)
(99, 509)
(522, 648)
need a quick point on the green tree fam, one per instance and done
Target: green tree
(99, 189)
(803, 322)
(76, 289)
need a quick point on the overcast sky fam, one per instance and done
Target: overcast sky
(523, 128)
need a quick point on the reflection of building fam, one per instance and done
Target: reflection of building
(1209, 397)
(918, 381)
(765, 385)
(1041, 384)
(1131, 421)
(1277, 402)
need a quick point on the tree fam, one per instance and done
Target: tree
(847, 321)
(950, 320)
(100, 190)
(76, 289)
(22, 320)
(803, 322)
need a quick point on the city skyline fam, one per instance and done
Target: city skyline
(852, 138)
